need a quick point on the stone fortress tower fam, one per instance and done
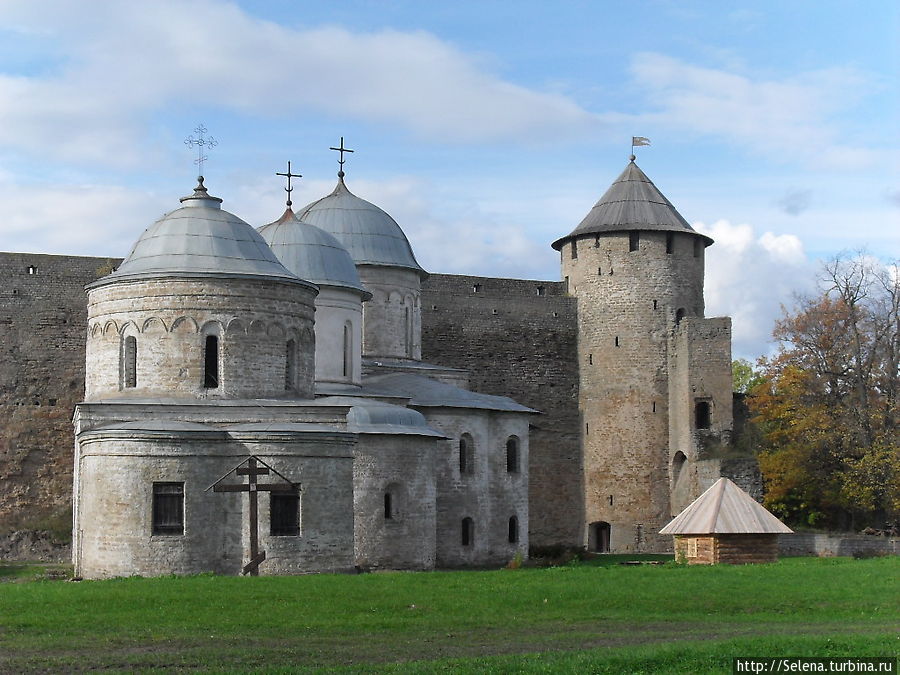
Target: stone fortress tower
(654, 374)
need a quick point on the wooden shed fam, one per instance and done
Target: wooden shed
(725, 525)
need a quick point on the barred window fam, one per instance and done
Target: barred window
(284, 514)
(168, 508)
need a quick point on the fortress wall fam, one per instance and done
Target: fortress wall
(43, 326)
(520, 344)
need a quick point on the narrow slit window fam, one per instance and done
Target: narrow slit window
(670, 242)
(468, 532)
(698, 248)
(634, 241)
(130, 362)
(168, 508)
(211, 362)
(513, 530)
(284, 511)
(574, 249)
(512, 455)
(348, 350)
(388, 506)
(617, 340)
(290, 366)
(466, 455)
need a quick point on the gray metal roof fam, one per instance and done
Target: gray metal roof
(725, 509)
(370, 235)
(312, 253)
(632, 202)
(200, 239)
(368, 416)
(427, 392)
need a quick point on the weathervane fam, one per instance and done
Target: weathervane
(341, 150)
(201, 143)
(289, 175)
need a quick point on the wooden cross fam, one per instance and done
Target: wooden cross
(252, 470)
(341, 150)
(289, 175)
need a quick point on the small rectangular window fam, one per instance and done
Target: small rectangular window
(284, 510)
(130, 362)
(703, 415)
(634, 241)
(211, 362)
(574, 249)
(168, 508)
(698, 247)
(388, 506)
(670, 242)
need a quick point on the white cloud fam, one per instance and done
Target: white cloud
(127, 60)
(749, 277)
(792, 118)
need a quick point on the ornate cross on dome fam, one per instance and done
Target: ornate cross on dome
(341, 150)
(201, 143)
(289, 175)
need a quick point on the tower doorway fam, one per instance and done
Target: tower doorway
(598, 537)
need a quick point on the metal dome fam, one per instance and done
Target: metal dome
(200, 239)
(370, 235)
(312, 253)
(632, 202)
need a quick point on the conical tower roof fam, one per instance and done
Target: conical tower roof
(370, 235)
(725, 509)
(632, 202)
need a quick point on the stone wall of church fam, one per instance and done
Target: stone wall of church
(392, 317)
(517, 338)
(394, 501)
(264, 333)
(43, 324)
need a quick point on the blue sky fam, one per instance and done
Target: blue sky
(487, 129)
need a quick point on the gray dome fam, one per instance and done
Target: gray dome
(632, 202)
(311, 253)
(370, 235)
(201, 239)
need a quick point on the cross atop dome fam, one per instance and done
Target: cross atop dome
(341, 161)
(201, 144)
(290, 175)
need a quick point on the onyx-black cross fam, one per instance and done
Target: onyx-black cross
(341, 150)
(289, 175)
(250, 468)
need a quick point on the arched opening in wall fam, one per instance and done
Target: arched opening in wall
(388, 506)
(129, 362)
(211, 362)
(677, 465)
(679, 315)
(290, 366)
(598, 537)
(284, 514)
(512, 455)
(348, 350)
(634, 241)
(702, 415)
(466, 455)
(513, 530)
(467, 532)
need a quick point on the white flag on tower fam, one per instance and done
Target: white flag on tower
(639, 140)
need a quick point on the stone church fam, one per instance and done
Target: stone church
(306, 397)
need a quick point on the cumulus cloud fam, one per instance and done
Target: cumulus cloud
(126, 60)
(794, 201)
(791, 118)
(749, 277)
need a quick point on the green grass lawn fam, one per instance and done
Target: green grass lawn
(595, 616)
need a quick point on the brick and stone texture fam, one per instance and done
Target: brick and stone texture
(392, 323)
(400, 535)
(43, 323)
(256, 324)
(517, 338)
(632, 301)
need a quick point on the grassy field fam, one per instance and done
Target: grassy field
(595, 616)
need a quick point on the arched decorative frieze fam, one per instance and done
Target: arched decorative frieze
(395, 298)
(276, 330)
(236, 327)
(111, 328)
(212, 327)
(257, 327)
(129, 328)
(154, 325)
(184, 324)
(306, 337)
(379, 297)
(96, 330)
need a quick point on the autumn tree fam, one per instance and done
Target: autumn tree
(828, 403)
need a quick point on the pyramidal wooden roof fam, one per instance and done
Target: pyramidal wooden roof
(725, 509)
